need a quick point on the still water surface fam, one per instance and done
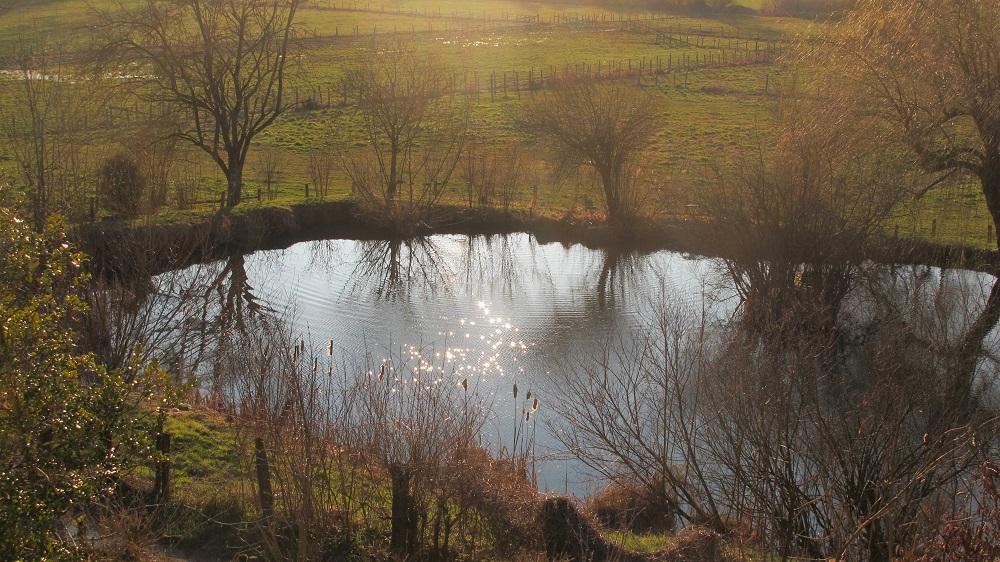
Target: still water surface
(501, 309)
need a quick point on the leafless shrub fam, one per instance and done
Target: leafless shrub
(795, 432)
(492, 177)
(333, 445)
(811, 446)
(413, 421)
(493, 499)
(270, 168)
(620, 506)
(148, 319)
(630, 419)
(124, 531)
(185, 185)
(321, 166)
(121, 185)
(971, 534)
(285, 420)
(157, 156)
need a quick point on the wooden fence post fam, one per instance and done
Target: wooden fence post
(264, 491)
(161, 479)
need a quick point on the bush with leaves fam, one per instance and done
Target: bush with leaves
(68, 428)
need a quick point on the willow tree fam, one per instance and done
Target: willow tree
(220, 64)
(414, 130)
(927, 72)
(603, 126)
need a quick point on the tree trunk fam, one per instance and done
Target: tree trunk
(161, 485)
(390, 191)
(39, 199)
(263, 479)
(990, 180)
(612, 195)
(234, 183)
(969, 353)
(404, 512)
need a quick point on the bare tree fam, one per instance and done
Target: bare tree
(415, 134)
(605, 126)
(42, 120)
(926, 74)
(222, 64)
(799, 218)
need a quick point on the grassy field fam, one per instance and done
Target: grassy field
(711, 118)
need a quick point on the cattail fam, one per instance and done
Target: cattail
(329, 348)
(527, 416)
(534, 405)
(381, 372)
(315, 364)
(465, 383)
(515, 390)
(528, 396)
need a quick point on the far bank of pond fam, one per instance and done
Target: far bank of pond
(144, 248)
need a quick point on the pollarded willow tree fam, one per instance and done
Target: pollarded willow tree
(927, 72)
(415, 129)
(221, 64)
(603, 126)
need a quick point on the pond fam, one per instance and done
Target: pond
(502, 310)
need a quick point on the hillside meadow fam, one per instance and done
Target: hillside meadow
(715, 80)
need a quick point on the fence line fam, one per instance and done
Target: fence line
(637, 23)
(504, 84)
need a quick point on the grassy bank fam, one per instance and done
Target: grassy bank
(212, 511)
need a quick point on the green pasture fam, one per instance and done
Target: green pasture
(712, 119)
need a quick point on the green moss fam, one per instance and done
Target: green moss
(646, 544)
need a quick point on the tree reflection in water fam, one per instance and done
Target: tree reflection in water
(390, 269)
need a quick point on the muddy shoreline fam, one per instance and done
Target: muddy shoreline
(119, 248)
